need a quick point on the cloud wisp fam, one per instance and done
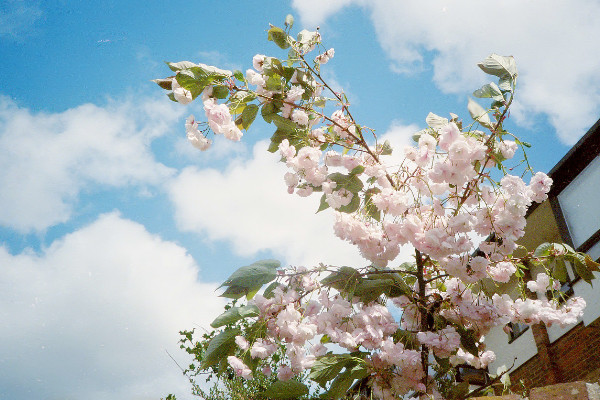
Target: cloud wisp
(94, 314)
(247, 205)
(17, 18)
(48, 159)
(551, 41)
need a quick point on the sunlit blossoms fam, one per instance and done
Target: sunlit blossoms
(392, 325)
(196, 138)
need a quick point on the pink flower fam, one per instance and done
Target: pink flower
(448, 134)
(241, 342)
(285, 373)
(502, 271)
(239, 367)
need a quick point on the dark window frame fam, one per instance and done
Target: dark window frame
(516, 330)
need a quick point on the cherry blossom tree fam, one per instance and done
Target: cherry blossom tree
(385, 329)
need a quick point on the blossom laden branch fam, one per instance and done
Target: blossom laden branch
(439, 197)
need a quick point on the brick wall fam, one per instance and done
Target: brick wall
(563, 391)
(576, 356)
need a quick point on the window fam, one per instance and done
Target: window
(515, 329)
(579, 208)
(466, 373)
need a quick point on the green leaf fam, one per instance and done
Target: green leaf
(444, 363)
(542, 250)
(276, 140)
(248, 280)
(344, 279)
(459, 391)
(164, 83)
(479, 114)
(176, 66)
(286, 125)
(400, 286)
(248, 115)
(220, 92)
(234, 292)
(370, 208)
(579, 264)
(359, 169)
(591, 264)
(235, 314)
(195, 86)
(199, 69)
(228, 317)
(220, 347)
(327, 367)
(386, 148)
(262, 271)
(369, 290)
(505, 84)
(350, 182)
(352, 206)
(324, 205)
(269, 289)
(491, 90)
(435, 121)
(268, 111)
(274, 83)
(286, 390)
(499, 66)
(340, 385)
(279, 37)
(243, 97)
(559, 269)
(407, 338)
(239, 75)
(467, 340)
(249, 310)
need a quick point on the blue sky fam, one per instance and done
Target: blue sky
(115, 232)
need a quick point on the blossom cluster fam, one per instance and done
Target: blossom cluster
(442, 198)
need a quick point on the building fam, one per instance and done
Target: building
(543, 356)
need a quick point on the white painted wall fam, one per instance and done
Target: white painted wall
(591, 295)
(519, 351)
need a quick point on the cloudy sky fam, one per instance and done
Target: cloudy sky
(115, 233)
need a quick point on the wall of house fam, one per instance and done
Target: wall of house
(509, 354)
(576, 356)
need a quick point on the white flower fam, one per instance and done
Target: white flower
(300, 117)
(199, 141)
(183, 96)
(196, 138)
(325, 57)
(258, 62)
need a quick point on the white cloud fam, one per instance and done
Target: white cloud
(553, 42)
(48, 159)
(93, 315)
(400, 135)
(248, 206)
(315, 12)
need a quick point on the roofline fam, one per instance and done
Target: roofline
(576, 159)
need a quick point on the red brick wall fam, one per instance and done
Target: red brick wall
(576, 355)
